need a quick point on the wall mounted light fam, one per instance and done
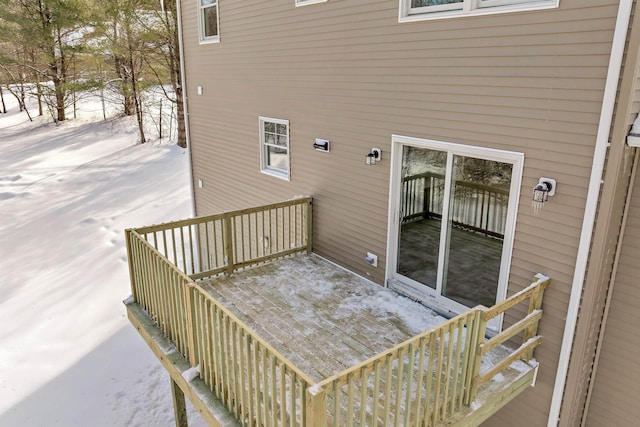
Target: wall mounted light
(374, 156)
(546, 188)
(321, 145)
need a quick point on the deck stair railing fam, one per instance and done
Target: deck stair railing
(476, 207)
(426, 380)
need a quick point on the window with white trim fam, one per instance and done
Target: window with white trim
(274, 147)
(209, 22)
(412, 10)
(306, 2)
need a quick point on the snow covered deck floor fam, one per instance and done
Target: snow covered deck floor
(321, 317)
(326, 319)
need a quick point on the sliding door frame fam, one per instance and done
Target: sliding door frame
(433, 297)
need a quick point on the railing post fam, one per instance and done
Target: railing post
(535, 303)
(130, 257)
(179, 407)
(477, 339)
(316, 407)
(426, 202)
(309, 226)
(190, 311)
(227, 231)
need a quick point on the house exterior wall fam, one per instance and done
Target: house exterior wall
(613, 400)
(347, 71)
(606, 237)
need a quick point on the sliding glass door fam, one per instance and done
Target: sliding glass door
(451, 228)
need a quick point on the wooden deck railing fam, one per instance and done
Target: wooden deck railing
(254, 381)
(424, 381)
(477, 207)
(251, 378)
(431, 377)
(223, 243)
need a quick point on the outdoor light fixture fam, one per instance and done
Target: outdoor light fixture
(546, 188)
(321, 145)
(373, 157)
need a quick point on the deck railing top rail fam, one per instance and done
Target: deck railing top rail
(223, 243)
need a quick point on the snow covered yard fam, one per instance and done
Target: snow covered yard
(68, 355)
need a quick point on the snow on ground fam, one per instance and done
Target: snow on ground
(68, 355)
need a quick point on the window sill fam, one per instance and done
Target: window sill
(210, 40)
(277, 174)
(404, 16)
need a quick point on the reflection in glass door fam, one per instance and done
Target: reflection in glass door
(454, 210)
(422, 197)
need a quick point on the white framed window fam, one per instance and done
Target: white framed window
(306, 2)
(452, 215)
(418, 10)
(274, 147)
(209, 21)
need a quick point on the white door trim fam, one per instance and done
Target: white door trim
(413, 289)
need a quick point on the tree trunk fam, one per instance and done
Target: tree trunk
(129, 105)
(136, 95)
(57, 66)
(182, 128)
(36, 79)
(124, 70)
(176, 73)
(143, 139)
(4, 106)
(58, 87)
(39, 96)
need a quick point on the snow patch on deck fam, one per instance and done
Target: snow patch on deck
(191, 373)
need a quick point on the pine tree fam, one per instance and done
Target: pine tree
(52, 30)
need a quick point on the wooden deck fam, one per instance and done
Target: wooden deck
(326, 319)
(279, 339)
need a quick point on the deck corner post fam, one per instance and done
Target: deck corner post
(535, 303)
(227, 231)
(309, 225)
(316, 407)
(479, 331)
(127, 240)
(179, 406)
(190, 311)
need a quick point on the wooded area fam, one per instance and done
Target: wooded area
(57, 50)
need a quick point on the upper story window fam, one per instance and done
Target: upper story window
(274, 147)
(416, 10)
(306, 2)
(209, 22)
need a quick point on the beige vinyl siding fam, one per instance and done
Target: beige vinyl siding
(617, 380)
(347, 71)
